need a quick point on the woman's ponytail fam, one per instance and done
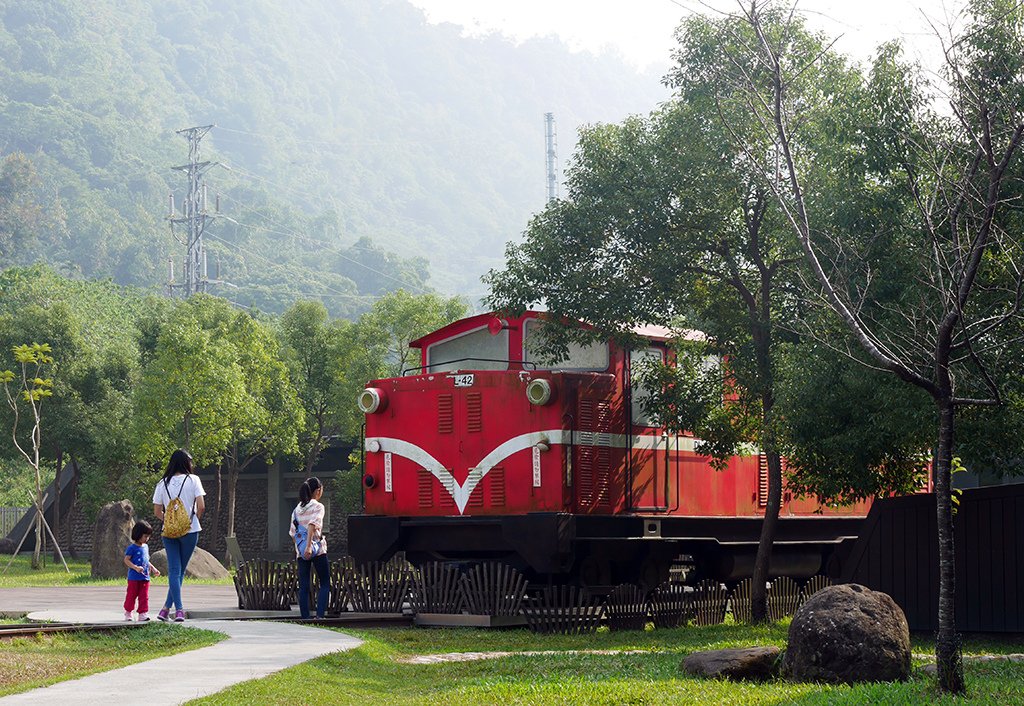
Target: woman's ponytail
(306, 490)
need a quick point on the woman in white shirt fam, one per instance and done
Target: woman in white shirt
(179, 481)
(306, 529)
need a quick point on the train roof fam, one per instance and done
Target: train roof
(651, 332)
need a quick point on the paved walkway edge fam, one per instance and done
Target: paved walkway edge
(252, 650)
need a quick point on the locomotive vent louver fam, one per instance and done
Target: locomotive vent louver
(539, 392)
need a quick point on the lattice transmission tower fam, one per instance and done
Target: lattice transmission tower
(551, 146)
(194, 217)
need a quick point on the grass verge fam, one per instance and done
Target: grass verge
(371, 674)
(30, 662)
(22, 575)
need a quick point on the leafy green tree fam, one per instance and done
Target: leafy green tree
(267, 422)
(92, 329)
(399, 317)
(850, 433)
(191, 388)
(30, 389)
(954, 333)
(666, 223)
(329, 362)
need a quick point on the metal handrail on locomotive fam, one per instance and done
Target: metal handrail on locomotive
(486, 452)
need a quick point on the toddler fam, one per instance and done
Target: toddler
(136, 558)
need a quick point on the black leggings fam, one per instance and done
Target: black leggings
(323, 573)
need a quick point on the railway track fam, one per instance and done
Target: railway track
(11, 630)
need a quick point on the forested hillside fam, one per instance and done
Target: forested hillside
(367, 149)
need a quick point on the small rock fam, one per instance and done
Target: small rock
(202, 565)
(748, 663)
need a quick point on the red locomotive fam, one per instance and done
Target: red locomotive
(484, 452)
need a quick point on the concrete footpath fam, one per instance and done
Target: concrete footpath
(252, 649)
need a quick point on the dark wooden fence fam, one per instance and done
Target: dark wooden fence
(897, 553)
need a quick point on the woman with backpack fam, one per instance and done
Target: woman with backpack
(306, 529)
(178, 501)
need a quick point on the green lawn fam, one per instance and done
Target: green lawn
(30, 662)
(21, 574)
(372, 674)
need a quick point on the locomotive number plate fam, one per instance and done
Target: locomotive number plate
(536, 467)
(463, 380)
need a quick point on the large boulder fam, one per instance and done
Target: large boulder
(848, 634)
(7, 545)
(748, 663)
(202, 565)
(110, 535)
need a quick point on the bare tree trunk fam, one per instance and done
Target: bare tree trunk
(38, 549)
(947, 641)
(762, 562)
(315, 448)
(232, 485)
(55, 526)
(215, 530)
(69, 519)
(762, 336)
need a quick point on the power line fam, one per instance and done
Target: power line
(343, 145)
(303, 196)
(295, 234)
(279, 266)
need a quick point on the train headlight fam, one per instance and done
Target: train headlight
(372, 400)
(538, 392)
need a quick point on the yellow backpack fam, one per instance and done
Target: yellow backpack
(177, 520)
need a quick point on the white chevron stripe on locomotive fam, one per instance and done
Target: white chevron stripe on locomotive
(460, 493)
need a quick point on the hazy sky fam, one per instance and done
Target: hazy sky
(641, 30)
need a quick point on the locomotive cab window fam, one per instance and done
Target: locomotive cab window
(590, 356)
(473, 350)
(638, 391)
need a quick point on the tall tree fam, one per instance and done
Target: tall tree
(664, 223)
(952, 333)
(94, 330)
(192, 387)
(400, 317)
(329, 362)
(268, 420)
(30, 389)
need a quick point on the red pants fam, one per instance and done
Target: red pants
(140, 590)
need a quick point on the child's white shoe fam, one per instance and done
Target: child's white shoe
(128, 615)
(143, 617)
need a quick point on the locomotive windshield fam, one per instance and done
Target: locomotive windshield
(474, 350)
(592, 356)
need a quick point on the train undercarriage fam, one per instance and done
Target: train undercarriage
(597, 551)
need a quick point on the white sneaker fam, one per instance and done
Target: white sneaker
(128, 615)
(143, 617)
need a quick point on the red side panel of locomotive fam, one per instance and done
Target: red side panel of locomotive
(480, 430)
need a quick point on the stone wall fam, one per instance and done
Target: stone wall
(250, 517)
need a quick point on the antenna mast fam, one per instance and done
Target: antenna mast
(193, 215)
(549, 141)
